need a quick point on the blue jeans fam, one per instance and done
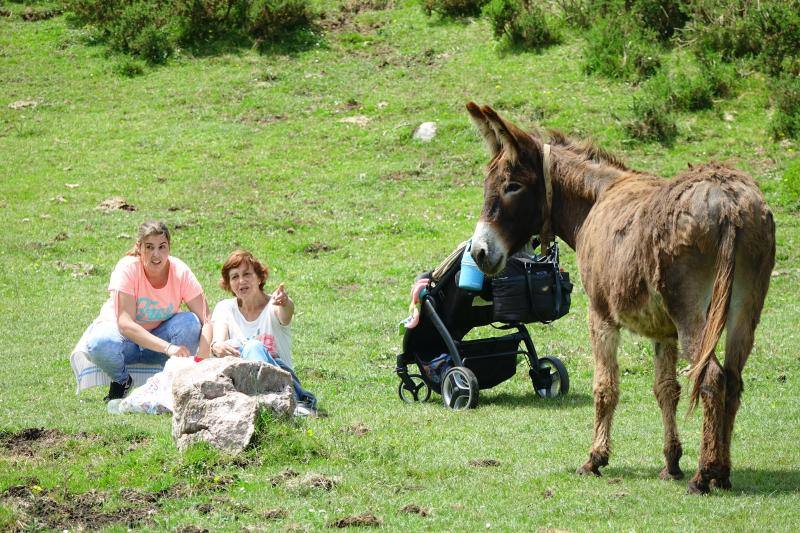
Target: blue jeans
(255, 350)
(112, 351)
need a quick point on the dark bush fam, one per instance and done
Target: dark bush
(618, 48)
(453, 8)
(523, 22)
(152, 29)
(204, 20)
(768, 30)
(142, 28)
(664, 17)
(579, 13)
(129, 67)
(786, 100)
(780, 36)
(270, 19)
(652, 109)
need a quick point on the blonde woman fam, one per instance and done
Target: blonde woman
(141, 321)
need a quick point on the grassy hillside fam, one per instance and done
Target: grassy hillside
(237, 148)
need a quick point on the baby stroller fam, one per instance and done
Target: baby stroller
(531, 288)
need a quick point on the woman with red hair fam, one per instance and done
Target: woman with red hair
(255, 325)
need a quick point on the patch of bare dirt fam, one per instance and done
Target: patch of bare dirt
(283, 477)
(115, 203)
(316, 248)
(352, 287)
(79, 270)
(260, 119)
(23, 104)
(361, 520)
(484, 462)
(358, 120)
(191, 528)
(30, 442)
(358, 429)
(40, 508)
(413, 508)
(402, 175)
(35, 15)
(316, 481)
(273, 514)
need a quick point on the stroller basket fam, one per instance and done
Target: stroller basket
(493, 360)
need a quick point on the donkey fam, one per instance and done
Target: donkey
(673, 260)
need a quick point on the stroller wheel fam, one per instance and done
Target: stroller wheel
(420, 392)
(460, 388)
(550, 378)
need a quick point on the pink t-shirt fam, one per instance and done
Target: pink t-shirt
(153, 306)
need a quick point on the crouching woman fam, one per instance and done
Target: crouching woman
(141, 322)
(254, 325)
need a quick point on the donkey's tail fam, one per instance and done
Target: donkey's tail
(717, 310)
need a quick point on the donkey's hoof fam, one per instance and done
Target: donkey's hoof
(666, 475)
(697, 488)
(722, 483)
(588, 469)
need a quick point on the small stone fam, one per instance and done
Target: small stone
(425, 131)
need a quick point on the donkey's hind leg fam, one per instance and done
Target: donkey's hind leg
(749, 289)
(605, 340)
(668, 391)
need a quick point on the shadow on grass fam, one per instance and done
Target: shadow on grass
(531, 399)
(745, 481)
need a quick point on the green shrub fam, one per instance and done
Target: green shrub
(204, 20)
(152, 29)
(129, 67)
(780, 36)
(142, 29)
(616, 47)
(664, 17)
(453, 8)
(786, 100)
(271, 19)
(579, 13)
(768, 30)
(654, 119)
(729, 28)
(523, 22)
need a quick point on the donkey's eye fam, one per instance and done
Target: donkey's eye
(512, 188)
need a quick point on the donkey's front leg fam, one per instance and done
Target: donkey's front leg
(668, 391)
(605, 340)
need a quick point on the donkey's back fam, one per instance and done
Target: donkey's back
(649, 249)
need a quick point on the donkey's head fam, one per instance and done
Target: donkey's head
(513, 192)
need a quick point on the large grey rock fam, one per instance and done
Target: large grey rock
(217, 401)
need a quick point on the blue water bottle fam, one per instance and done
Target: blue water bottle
(471, 278)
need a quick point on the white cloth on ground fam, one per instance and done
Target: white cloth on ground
(88, 374)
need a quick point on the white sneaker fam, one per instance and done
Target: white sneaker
(303, 409)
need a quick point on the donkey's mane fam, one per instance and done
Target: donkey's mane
(585, 149)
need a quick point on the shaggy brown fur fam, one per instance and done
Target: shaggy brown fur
(673, 260)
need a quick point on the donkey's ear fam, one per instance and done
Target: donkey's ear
(506, 132)
(481, 122)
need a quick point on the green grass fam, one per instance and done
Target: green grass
(246, 149)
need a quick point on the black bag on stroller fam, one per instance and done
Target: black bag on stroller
(531, 288)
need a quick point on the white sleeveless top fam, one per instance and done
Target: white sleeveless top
(276, 337)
